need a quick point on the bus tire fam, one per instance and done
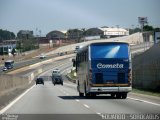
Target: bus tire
(113, 95)
(81, 94)
(124, 95)
(118, 95)
(86, 94)
(93, 94)
(78, 87)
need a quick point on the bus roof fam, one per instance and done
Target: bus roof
(9, 61)
(109, 43)
(85, 47)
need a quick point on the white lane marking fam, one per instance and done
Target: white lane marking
(74, 85)
(77, 100)
(144, 101)
(98, 113)
(64, 91)
(57, 66)
(86, 106)
(66, 70)
(14, 101)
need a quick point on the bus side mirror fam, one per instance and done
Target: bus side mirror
(74, 62)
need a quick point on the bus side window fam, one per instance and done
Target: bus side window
(78, 61)
(74, 62)
(85, 55)
(82, 57)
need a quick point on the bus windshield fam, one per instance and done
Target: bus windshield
(9, 64)
(109, 51)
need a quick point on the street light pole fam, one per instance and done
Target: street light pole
(118, 29)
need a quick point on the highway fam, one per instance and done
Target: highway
(42, 101)
(34, 60)
(70, 48)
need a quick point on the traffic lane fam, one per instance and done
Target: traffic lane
(144, 97)
(105, 104)
(44, 99)
(62, 67)
(59, 99)
(28, 70)
(31, 61)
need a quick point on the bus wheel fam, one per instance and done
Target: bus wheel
(113, 95)
(124, 95)
(86, 94)
(118, 95)
(81, 94)
(93, 94)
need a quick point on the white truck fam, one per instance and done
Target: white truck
(77, 48)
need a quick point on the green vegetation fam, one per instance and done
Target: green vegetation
(148, 28)
(71, 74)
(145, 28)
(6, 35)
(72, 78)
(13, 51)
(146, 92)
(27, 44)
(26, 41)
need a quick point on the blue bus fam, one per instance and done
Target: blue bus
(104, 68)
(9, 64)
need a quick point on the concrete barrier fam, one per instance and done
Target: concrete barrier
(10, 82)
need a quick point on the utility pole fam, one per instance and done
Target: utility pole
(118, 29)
(142, 21)
(39, 38)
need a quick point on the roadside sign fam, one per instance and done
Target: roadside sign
(142, 20)
(156, 37)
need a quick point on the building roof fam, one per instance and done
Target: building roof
(105, 29)
(64, 31)
(55, 34)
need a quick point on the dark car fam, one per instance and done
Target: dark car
(39, 81)
(57, 80)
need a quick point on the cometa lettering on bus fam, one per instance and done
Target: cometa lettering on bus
(100, 65)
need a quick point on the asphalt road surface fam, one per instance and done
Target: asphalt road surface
(63, 103)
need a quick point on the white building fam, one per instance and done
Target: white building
(114, 32)
(6, 46)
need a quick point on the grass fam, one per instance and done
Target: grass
(146, 92)
(71, 74)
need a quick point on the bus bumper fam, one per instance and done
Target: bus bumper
(110, 89)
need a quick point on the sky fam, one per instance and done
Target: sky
(49, 15)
